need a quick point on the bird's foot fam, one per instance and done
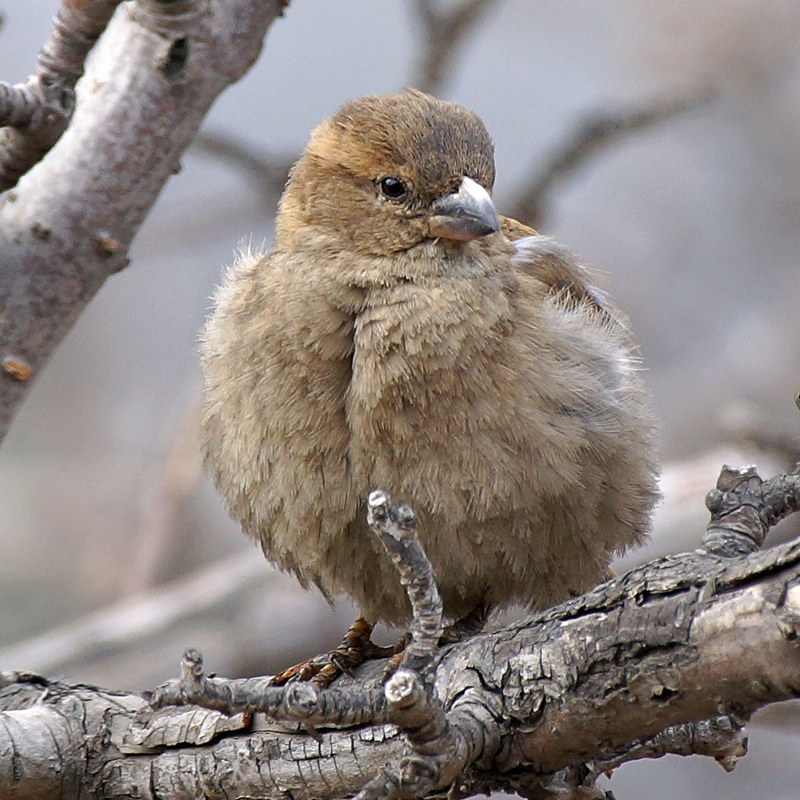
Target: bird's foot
(461, 629)
(465, 627)
(356, 648)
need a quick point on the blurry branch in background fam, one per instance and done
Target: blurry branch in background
(127, 626)
(37, 111)
(175, 477)
(594, 133)
(267, 171)
(443, 31)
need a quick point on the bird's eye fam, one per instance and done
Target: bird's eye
(392, 188)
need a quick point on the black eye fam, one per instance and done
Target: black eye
(392, 188)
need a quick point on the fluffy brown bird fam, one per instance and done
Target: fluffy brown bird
(399, 335)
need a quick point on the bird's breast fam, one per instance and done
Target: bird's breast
(416, 345)
(423, 410)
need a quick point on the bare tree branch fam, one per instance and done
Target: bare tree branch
(443, 32)
(68, 224)
(592, 134)
(671, 658)
(672, 643)
(38, 110)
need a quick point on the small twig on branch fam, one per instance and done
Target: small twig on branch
(595, 132)
(301, 702)
(723, 738)
(37, 111)
(443, 32)
(744, 507)
(268, 171)
(395, 526)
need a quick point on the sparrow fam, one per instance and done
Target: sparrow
(401, 335)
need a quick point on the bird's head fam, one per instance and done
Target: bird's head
(388, 172)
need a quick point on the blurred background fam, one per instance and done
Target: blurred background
(115, 553)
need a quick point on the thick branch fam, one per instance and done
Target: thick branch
(679, 640)
(68, 224)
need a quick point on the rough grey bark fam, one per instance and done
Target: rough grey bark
(672, 657)
(67, 225)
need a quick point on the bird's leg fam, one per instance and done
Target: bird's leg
(356, 648)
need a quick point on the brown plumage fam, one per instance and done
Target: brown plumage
(397, 337)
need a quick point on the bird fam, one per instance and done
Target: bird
(401, 334)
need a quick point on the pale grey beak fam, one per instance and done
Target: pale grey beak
(467, 214)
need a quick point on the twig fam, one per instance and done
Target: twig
(443, 32)
(301, 702)
(592, 134)
(744, 507)
(38, 110)
(723, 738)
(395, 526)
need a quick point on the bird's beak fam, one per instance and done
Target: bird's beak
(467, 214)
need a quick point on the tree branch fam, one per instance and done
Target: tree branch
(37, 111)
(672, 657)
(443, 32)
(592, 134)
(68, 224)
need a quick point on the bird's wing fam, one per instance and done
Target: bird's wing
(276, 360)
(553, 264)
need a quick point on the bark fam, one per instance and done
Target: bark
(67, 226)
(672, 657)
